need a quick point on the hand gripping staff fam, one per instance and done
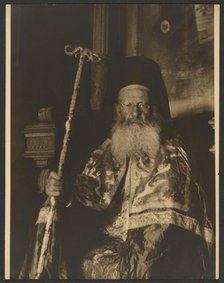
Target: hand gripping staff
(88, 55)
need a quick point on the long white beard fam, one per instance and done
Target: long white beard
(135, 140)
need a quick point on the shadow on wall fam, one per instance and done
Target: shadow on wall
(180, 38)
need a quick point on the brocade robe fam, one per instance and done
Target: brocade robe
(156, 224)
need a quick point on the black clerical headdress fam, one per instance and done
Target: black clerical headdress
(143, 71)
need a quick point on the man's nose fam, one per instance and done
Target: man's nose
(135, 112)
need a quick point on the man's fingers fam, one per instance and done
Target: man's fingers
(53, 194)
(54, 182)
(54, 175)
(54, 185)
(54, 191)
(55, 188)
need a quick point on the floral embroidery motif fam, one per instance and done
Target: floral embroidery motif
(145, 192)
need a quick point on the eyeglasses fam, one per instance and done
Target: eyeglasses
(140, 105)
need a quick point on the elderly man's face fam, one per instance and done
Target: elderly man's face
(133, 104)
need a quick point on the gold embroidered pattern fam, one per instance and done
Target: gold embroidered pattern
(171, 217)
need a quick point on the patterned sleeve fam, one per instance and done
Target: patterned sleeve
(188, 193)
(98, 183)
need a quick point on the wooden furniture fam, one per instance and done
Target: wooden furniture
(40, 138)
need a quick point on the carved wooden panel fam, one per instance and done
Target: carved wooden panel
(40, 139)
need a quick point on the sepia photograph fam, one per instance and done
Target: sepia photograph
(112, 134)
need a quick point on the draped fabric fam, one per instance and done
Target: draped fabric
(141, 207)
(114, 258)
(54, 264)
(155, 223)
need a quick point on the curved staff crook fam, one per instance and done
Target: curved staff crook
(83, 54)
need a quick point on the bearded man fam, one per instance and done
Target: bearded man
(156, 225)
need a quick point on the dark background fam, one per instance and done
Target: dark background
(42, 76)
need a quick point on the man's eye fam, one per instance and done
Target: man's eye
(129, 105)
(143, 106)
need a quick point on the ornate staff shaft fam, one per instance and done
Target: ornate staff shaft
(84, 53)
